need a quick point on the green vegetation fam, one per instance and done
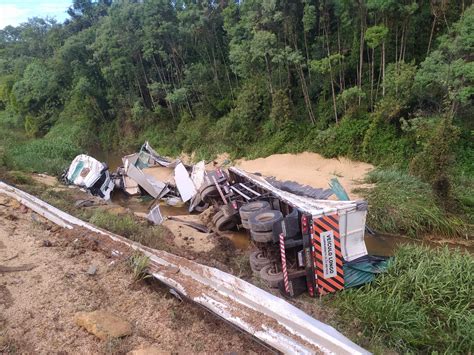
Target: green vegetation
(424, 303)
(139, 265)
(383, 81)
(127, 226)
(399, 202)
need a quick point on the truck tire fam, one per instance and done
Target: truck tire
(245, 224)
(250, 208)
(263, 221)
(269, 275)
(209, 192)
(258, 261)
(228, 210)
(201, 207)
(217, 216)
(225, 223)
(261, 237)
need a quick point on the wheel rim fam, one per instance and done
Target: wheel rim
(272, 271)
(264, 218)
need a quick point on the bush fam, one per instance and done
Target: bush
(53, 153)
(400, 203)
(435, 163)
(344, 139)
(383, 146)
(422, 304)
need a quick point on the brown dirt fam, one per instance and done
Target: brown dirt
(45, 179)
(190, 238)
(37, 307)
(309, 169)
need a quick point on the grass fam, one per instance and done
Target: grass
(128, 226)
(424, 303)
(400, 203)
(50, 154)
(139, 265)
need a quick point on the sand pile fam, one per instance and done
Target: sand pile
(309, 169)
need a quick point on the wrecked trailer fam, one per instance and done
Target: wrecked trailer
(302, 242)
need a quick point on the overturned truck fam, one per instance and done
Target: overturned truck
(302, 240)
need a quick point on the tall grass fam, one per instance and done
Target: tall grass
(401, 203)
(52, 153)
(424, 303)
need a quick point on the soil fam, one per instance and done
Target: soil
(189, 237)
(310, 169)
(37, 306)
(45, 179)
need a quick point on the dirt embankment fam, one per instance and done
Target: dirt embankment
(310, 169)
(38, 303)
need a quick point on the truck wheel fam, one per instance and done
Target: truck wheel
(245, 224)
(253, 207)
(225, 223)
(269, 274)
(261, 237)
(263, 221)
(209, 192)
(201, 207)
(217, 216)
(258, 261)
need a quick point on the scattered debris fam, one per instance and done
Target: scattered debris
(46, 243)
(92, 270)
(84, 203)
(104, 325)
(25, 267)
(199, 227)
(184, 183)
(290, 221)
(176, 294)
(155, 216)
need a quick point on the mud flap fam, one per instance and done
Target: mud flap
(306, 229)
(297, 286)
(327, 254)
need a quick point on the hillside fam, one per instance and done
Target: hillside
(381, 81)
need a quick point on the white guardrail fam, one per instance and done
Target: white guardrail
(272, 320)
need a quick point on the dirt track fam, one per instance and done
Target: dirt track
(37, 306)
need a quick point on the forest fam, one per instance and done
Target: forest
(383, 81)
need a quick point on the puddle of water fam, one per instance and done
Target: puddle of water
(143, 204)
(113, 159)
(387, 245)
(379, 244)
(135, 204)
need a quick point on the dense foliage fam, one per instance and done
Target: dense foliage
(423, 304)
(385, 81)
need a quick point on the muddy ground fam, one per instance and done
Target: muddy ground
(44, 282)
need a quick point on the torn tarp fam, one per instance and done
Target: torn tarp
(300, 190)
(91, 174)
